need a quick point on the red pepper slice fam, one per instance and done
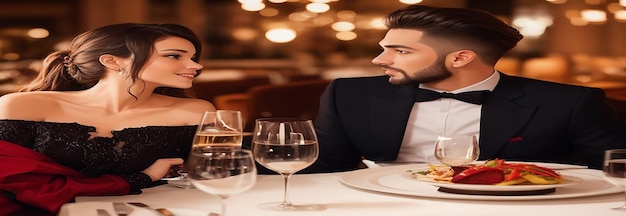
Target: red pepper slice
(515, 173)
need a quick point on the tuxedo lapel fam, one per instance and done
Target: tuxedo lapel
(389, 115)
(501, 117)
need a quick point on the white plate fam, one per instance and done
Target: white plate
(395, 180)
(568, 181)
(89, 209)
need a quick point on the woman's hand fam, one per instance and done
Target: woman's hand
(160, 167)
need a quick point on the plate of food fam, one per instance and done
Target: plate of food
(400, 180)
(495, 176)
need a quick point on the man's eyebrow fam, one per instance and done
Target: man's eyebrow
(398, 46)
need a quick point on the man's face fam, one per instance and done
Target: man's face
(408, 61)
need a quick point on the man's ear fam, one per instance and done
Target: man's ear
(462, 57)
(110, 62)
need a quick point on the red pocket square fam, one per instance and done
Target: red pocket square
(516, 139)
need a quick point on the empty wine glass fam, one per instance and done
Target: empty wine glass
(456, 150)
(615, 169)
(285, 146)
(221, 171)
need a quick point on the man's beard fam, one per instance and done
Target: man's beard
(437, 71)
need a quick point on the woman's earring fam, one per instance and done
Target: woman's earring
(121, 72)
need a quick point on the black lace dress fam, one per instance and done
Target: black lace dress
(126, 153)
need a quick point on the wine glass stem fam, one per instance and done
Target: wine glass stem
(624, 206)
(286, 201)
(223, 204)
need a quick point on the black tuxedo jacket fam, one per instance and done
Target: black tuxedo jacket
(523, 120)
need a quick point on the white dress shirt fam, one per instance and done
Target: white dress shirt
(445, 116)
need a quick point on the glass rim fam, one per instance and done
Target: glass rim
(285, 120)
(226, 111)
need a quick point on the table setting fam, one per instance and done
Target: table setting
(225, 183)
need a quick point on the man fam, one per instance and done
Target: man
(454, 50)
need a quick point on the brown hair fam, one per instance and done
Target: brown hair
(79, 67)
(477, 30)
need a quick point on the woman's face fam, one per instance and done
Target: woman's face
(171, 64)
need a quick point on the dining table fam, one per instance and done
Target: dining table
(377, 191)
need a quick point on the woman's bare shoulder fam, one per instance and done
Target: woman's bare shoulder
(26, 105)
(187, 110)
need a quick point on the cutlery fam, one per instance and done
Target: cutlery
(102, 212)
(120, 209)
(143, 205)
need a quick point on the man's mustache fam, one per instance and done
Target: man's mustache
(392, 68)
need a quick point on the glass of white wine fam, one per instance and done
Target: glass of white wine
(456, 150)
(222, 171)
(615, 169)
(285, 146)
(220, 128)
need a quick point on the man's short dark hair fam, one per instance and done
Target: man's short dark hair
(471, 29)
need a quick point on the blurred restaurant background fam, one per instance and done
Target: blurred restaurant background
(254, 43)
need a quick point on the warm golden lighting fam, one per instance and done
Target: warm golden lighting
(613, 7)
(578, 21)
(250, 1)
(298, 17)
(622, 3)
(38, 33)
(244, 34)
(277, 1)
(346, 14)
(410, 1)
(323, 20)
(63, 45)
(594, 2)
(377, 23)
(317, 7)
(593, 16)
(268, 12)
(345, 35)
(11, 56)
(280, 35)
(557, 1)
(343, 26)
(252, 6)
(620, 15)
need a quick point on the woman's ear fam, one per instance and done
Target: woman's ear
(462, 57)
(110, 62)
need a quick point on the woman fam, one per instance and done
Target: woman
(113, 107)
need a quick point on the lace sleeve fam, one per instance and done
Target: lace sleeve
(18, 131)
(137, 181)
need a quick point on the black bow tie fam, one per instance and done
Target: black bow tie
(474, 97)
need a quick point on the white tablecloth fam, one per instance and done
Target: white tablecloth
(341, 200)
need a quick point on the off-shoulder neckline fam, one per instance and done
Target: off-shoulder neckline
(94, 128)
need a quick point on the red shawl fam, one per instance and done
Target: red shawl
(30, 182)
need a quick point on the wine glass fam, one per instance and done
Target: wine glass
(178, 177)
(456, 150)
(220, 128)
(221, 171)
(285, 146)
(615, 169)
